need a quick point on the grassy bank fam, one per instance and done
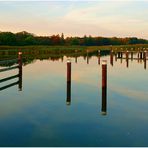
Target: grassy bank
(64, 49)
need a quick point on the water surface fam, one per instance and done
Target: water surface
(41, 115)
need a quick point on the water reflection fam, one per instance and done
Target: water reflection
(42, 115)
(33, 55)
(68, 100)
(141, 57)
(76, 59)
(145, 63)
(19, 75)
(99, 55)
(132, 56)
(122, 55)
(87, 57)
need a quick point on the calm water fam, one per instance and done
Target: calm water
(41, 114)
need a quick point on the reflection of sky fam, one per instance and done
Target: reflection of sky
(75, 18)
(38, 115)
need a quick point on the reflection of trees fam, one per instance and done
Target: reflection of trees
(27, 61)
(31, 56)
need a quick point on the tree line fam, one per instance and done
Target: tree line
(24, 38)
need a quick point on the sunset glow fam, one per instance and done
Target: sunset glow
(96, 18)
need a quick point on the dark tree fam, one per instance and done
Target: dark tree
(25, 38)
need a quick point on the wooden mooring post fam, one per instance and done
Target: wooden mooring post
(144, 58)
(127, 58)
(138, 56)
(20, 71)
(104, 87)
(111, 58)
(68, 100)
(141, 55)
(121, 55)
(132, 55)
(116, 56)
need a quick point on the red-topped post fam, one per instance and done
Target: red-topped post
(68, 70)
(68, 100)
(104, 87)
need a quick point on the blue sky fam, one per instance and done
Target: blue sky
(119, 18)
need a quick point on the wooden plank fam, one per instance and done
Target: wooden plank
(9, 78)
(10, 68)
(9, 85)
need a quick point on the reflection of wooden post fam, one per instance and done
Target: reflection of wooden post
(76, 59)
(99, 57)
(127, 54)
(111, 58)
(121, 55)
(132, 55)
(127, 59)
(144, 54)
(144, 63)
(115, 56)
(87, 57)
(104, 86)
(68, 101)
(140, 55)
(76, 56)
(121, 60)
(144, 58)
(118, 54)
(62, 59)
(20, 70)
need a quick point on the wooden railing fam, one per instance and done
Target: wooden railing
(19, 75)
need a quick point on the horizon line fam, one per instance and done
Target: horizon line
(43, 35)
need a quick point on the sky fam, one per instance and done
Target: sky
(107, 18)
